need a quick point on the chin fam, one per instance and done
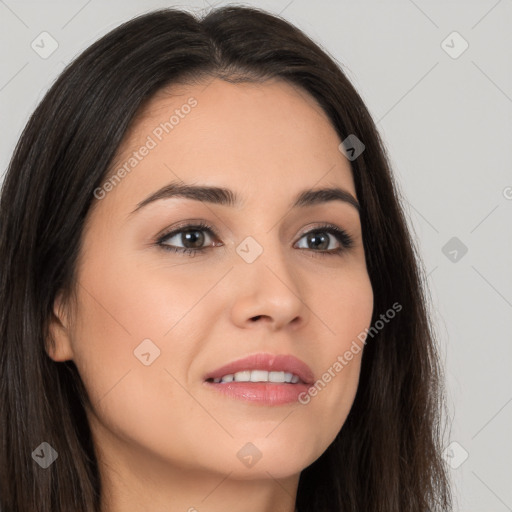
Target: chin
(276, 455)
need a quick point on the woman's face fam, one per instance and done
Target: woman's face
(153, 323)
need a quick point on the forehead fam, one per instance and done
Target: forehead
(270, 137)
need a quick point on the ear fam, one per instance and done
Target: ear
(59, 347)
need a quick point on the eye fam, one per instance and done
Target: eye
(323, 237)
(191, 236)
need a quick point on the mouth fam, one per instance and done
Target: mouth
(269, 379)
(258, 376)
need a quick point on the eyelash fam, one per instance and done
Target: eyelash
(341, 235)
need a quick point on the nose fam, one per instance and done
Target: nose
(268, 293)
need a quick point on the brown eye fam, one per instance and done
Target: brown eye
(320, 239)
(189, 239)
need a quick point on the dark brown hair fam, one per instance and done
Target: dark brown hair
(387, 457)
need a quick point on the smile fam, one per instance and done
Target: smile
(258, 376)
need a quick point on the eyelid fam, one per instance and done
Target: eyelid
(183, 226)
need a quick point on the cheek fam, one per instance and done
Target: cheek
(120, 306)
(346, 311)
(136, 402)
(143, 297)
(344, 304)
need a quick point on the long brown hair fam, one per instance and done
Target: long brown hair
(387, 457)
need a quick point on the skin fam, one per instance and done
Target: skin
(165, 441)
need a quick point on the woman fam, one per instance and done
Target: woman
(210, 298)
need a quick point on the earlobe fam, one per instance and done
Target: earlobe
(58, 347)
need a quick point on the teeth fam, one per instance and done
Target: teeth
(243, 376)
(276, 376)
(259, 376)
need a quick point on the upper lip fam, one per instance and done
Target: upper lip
(269, 362)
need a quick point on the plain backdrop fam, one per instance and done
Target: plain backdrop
(437, 79)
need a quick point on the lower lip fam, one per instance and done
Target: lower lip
(265, 393)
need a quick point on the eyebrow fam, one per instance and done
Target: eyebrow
(226, 197)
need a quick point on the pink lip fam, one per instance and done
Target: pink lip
(266, 393)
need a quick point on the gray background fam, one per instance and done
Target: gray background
(446, 120)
